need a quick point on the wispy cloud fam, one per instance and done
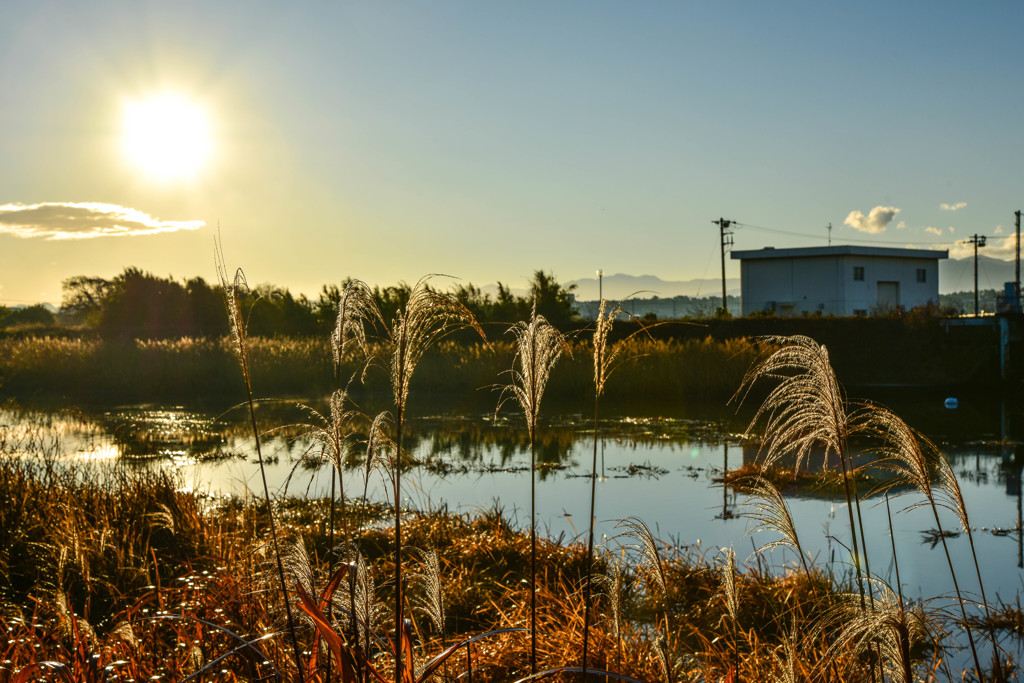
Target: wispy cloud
(83, 220)
(901, 225)
(953, 207)
(934, 231)
(875, 222)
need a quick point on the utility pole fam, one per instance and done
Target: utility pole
(830, 233)
(726, 236)
(1016, 278)
(600, 285)
(978, 241)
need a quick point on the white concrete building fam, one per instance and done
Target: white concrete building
(840, 280)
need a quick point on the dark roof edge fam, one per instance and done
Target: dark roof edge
(840, 250)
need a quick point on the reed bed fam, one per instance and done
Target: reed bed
(196, 370)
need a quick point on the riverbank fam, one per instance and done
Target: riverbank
(676, 363)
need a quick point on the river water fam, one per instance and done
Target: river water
(663, 470)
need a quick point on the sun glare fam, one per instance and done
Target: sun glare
(166, 136)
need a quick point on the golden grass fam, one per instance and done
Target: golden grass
(141, 546)
(690, 372)
(127, 574)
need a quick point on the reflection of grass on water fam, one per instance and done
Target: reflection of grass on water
(461, 442)
(162, 433)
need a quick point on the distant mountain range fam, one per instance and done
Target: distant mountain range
(621, 285)
(955, 275)
(48, 306)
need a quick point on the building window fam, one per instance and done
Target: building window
(922, 275)
(858, 273)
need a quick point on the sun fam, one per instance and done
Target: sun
(166, 136)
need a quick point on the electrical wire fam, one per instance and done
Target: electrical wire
(825, 239)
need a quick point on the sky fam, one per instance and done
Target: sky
(486, 140)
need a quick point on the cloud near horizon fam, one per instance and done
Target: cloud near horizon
(953, 207)
(875, 222)
(1004, 248)
(83, 220)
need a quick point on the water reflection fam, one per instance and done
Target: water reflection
(728, 501)
(661, 469)
(173, 433)
(1011, 454)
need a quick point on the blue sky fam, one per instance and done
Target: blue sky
(386, 141)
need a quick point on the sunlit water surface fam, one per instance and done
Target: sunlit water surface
(661, 470)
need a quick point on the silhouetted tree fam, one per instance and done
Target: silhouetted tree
(391, 299)
(277, 313)
(206, 303)
(82, 299)
(139, 305)
(29, 315)
(553, 301)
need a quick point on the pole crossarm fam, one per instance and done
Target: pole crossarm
(978, 241)
(726, 240)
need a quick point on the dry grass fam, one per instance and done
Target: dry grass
(127, 566)
(124, 576)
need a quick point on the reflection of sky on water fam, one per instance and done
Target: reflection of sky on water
(659, 470)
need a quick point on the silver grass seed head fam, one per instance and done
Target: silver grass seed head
(427, 316)
(356, 308)
(661, 650)
(234, 289)
(882, 623)
(604, 358)
(807, 406)
(767, 509)
(432, 600)
(647, 547)
(377, 441)
(729, 588)
(539, 345)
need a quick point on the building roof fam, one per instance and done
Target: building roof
(839, 250)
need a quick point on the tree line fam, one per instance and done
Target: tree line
(140, 305)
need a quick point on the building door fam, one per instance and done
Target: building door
(888, 296)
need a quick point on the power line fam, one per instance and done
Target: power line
(820, 238)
